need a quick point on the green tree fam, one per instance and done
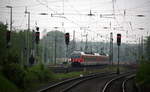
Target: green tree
(3, 29)
(147, 49)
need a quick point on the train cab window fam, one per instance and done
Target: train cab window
(75, 56)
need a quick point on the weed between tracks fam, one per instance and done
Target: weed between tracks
(38, 77)
(62, 76)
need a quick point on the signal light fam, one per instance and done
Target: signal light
(37, 28)
(37, 37)
(118, 39)
(8, 34)
(67, 38)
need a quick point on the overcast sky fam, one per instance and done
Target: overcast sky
(72, 15)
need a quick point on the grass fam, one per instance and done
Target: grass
(143, 73)
(143, 76)
(7, 86)
(38, 76)
(114, 68)
(67, 75)
(75, 74)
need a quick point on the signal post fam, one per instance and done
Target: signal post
(37, 39)
(118, 43)
(67, 40)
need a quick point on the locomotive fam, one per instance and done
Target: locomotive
(78, 58)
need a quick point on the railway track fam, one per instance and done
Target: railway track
(100, 82)
(66, 85)
(129, 83)
(118, 84)
(74, 69)
(94, 85)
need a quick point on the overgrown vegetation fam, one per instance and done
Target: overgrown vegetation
(6, 85)
(143, 73)
(15, 74)
(147, 49)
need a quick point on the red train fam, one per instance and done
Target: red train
(80, 58)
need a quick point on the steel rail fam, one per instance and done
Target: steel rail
(69, 80)
(108, 84)
(125, 81)
(85, 79)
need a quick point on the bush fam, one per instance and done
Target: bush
(10, 60)
(15, 73)
(23, 77)
(37, 73)
(7, 86)
(143, 74)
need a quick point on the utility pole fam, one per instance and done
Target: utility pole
(55, 46)
(33, 43)
(139, 49)
(86, 46)
(27, 35)
(111, 49)
(10, 17)
(81, 46)
(113, 6)
(27, 12)
(142, 47)
(92, 45)
(9, 32)
(81, 49)
(74, 44)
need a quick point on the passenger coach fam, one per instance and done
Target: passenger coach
(80, 58)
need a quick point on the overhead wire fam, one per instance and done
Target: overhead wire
(74, 9)
(46, 6)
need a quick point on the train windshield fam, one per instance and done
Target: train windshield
(75, 56)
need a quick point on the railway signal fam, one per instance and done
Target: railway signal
(37, 35)
(118, 39)
(118, 43)
(67, 38)
(8, 35)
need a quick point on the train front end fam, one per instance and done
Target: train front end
(76, 58)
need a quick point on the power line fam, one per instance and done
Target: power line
(46, 6)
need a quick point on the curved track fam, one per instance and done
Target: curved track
(118, 84)
(101, 82)
(128, 84)
(67, 85)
